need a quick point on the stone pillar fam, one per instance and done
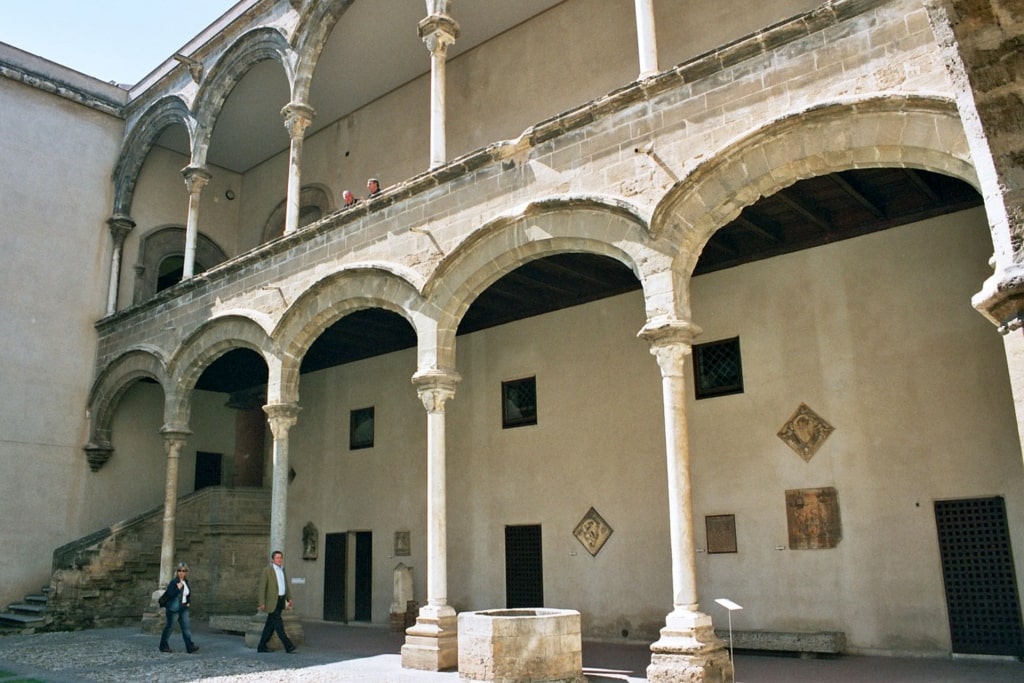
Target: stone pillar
(196, 178)
(688, 649)
(174, 441)
(297, 117)
(120, 226)
(438, 31)
(282, 417)
(431, 644)
(980, 44)
(645, 38)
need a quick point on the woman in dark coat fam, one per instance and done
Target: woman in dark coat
(179, 595)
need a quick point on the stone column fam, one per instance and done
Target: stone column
(281, 417)
(438, 31)
(432, 643)
(297, 117)
(981, 47)
(645, 38)
(196, 178)
(688, 649)
(120, 226)
(174, 441)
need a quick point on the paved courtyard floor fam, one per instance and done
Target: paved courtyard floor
(335, 652)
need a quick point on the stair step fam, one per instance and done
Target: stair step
(25, 608)
(19, 619)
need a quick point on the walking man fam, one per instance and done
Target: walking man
(274, 596)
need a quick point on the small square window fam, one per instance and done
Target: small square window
(360, 434)
(717, 369)
(519, 402)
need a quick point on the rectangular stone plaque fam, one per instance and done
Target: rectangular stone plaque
(813, 518)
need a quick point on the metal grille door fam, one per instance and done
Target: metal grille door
(524, 580)
(978, 572)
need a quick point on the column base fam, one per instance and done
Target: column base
(432, 643)
(153, 616)
(688, 651)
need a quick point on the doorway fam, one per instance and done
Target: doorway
(524, 576)
(208, 469)
(338, 569)
(335, 576)
(979, 577)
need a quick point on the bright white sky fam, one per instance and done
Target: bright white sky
(112, 40)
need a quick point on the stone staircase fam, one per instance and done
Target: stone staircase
(108, 577)
(25, 616)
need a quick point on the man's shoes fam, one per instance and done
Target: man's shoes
(193, 648)
(164, 648)
(263, 649)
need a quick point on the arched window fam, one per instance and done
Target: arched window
(314, 204)
(162, 260)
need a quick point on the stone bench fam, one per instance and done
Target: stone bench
(810, 643)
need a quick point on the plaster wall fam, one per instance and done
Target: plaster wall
(140, 456)
(829, 327)
(55, 246)
(877, 335)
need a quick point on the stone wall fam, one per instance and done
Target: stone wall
(108, 578)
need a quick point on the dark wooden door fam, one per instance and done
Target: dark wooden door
(524, 576)
(335, 576)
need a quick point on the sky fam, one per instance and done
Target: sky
(112, 40)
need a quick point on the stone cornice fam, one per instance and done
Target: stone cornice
(63, 89)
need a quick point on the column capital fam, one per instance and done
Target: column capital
(438, 31)
(196, 177)
(435, 388)
(282, 417)
(1001, 298)
(297, 117)
(671, 341)
(120, 225)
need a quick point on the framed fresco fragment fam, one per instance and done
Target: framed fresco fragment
(813, 518)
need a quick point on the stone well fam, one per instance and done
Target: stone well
(521, 646)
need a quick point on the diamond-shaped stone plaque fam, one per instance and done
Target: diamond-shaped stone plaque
(592, 531)
(805, 431)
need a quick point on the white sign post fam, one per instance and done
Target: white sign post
(731, 606)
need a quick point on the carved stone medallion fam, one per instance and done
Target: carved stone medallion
(805, 432)
(592, 531)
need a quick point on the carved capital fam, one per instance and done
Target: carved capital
(120, 225)
(175, 437)
(438, 31)
(196, 178)
(671, 341)
(281, 417)
(97, 455)
(297, 117)
(1001, 299)
(435, 388)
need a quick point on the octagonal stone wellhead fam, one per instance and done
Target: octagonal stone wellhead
(538, 645)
